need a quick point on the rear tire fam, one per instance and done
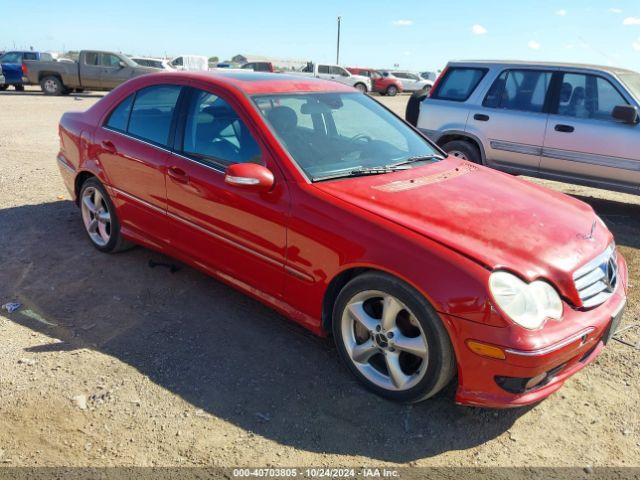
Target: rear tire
(463, 149)
(19, 88)
(3, 87)
(392, 90)
(392, 339)
(100, 218)
(52, 85)
(413, 107)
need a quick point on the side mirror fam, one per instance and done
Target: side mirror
(121, 64)
(625, 113)
(249, 176)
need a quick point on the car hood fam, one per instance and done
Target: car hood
(496, 219)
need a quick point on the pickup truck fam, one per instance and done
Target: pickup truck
(94, 70)
(337, 74)
(11, 67)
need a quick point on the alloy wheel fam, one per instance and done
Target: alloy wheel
(384, 340)
(458, 154)
(96, 216)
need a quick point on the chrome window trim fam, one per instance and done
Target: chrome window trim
(164, 149)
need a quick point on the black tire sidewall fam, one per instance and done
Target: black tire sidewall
(115, 239)
(436, 335)
(361, 87)
(470, 151)
(59, 88)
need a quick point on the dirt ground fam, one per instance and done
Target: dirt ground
(110, 362)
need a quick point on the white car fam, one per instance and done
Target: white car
(192, 63)
(336, 73)
(153, 62)
(411, 82)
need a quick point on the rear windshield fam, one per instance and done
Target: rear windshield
(459, 83)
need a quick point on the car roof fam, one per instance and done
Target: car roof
(253, 83)
(555, 65)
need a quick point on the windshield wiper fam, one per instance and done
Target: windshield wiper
(417, 158)
(361, 172)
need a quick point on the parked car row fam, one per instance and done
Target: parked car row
(11, 67)
(319, 202)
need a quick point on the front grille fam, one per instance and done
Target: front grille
(596, 281)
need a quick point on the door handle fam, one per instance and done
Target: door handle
(564, 128)
(109, 147)
(481, 117)
(178, 174)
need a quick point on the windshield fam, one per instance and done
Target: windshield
(632, 81)
(340, 132)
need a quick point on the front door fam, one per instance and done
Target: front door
(583, 141)
(113, 73)
(512, 120)
(239, 234)
(132, 147)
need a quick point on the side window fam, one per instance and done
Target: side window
(522, 90)
(177, 62)
(119, 118)
(323, 69)
(588, 96)
(338, 71)
(109, 60)
(91, 58)
(459, 83)
(152, 113)
(29, 56)
(46, 57)
(400, 75)
(214, 131)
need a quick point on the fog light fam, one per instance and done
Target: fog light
(485, 350)
(535, 380)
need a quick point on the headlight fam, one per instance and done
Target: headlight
(527, 304)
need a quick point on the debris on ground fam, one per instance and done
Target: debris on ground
(80, 401)
(27, 361)
(11, 306)
(173, 268)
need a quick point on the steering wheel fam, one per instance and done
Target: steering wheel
(361, 136)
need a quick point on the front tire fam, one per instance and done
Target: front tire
(464, 150)
(361, 87)
(392, 339)
(100, 219)
(52, 85)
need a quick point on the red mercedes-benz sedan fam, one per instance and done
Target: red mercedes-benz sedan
(318, 201)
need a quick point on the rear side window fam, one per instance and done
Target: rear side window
(119, 118)
(323, 69)
(522, 90)
(152, 113)
(92, 58)
(459, 83)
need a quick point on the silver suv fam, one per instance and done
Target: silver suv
(566, 122)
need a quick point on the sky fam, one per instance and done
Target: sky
(416, 35)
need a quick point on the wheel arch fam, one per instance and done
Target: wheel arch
(81, 177)
(452, 135)
(343, 277)
(46, 73)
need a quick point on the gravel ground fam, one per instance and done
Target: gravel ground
(110, 362)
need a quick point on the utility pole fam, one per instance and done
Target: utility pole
(338, 44)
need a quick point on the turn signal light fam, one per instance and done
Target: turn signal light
(486, 350)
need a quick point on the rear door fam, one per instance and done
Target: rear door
(132, 147)
(582, 139)
(512, 119)
(324, 72)
(90, 70)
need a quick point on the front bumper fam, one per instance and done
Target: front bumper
(479, 377)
